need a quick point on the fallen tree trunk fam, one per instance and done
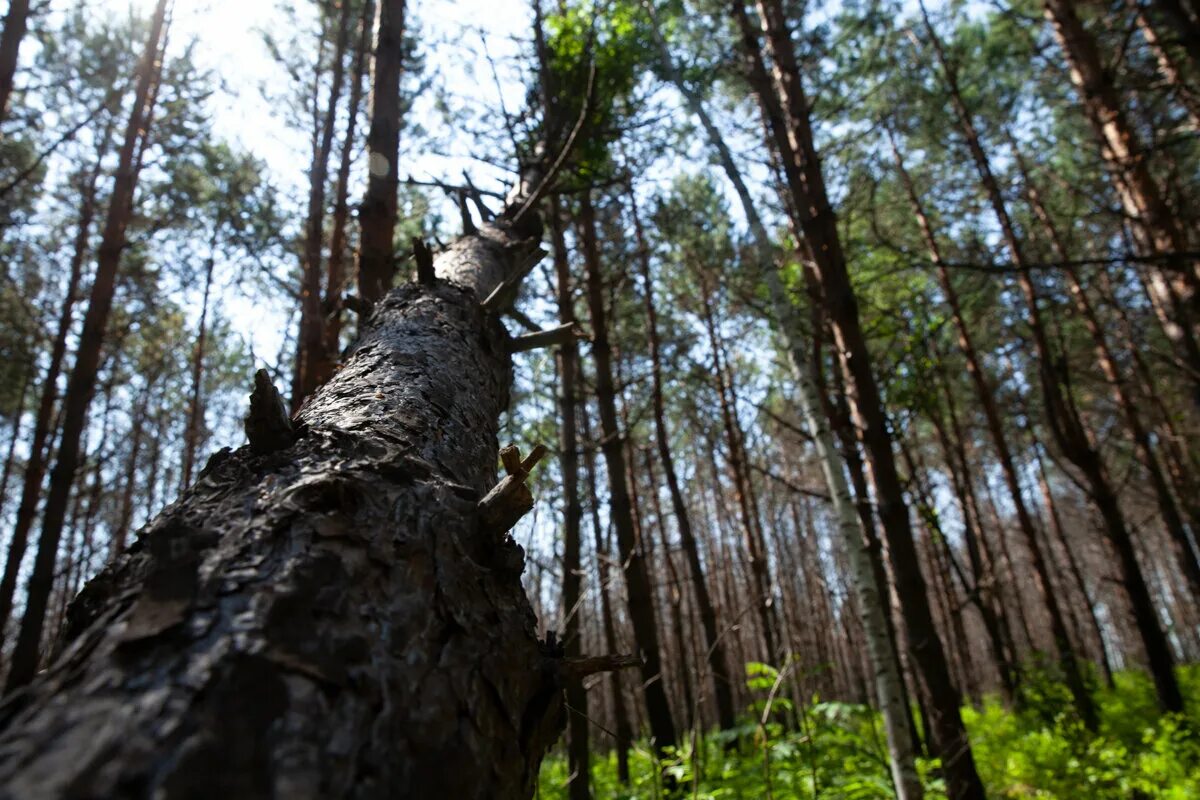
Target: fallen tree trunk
(329, 611)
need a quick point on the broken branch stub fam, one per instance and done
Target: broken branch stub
(267, 424)
(510, 499)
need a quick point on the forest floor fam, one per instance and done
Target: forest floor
(836, 750)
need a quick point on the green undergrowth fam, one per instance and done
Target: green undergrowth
(836, 750)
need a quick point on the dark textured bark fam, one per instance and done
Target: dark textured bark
(579, 787)
(329, 620)
(376, 256)
(640, 598)
(815, 218)
(16, 21)
(44, 422)
(82, 382)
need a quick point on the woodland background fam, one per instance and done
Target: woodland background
(1017, 204)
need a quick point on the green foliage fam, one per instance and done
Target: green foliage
(836, 750)
(603, 51)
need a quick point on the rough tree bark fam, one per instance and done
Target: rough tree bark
(82, 382)
(334, 610)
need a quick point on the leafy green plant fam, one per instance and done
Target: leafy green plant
(825, 749)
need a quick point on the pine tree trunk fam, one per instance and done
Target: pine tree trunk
(44, 420)
(82, 382)
(331, 611)
(623, 732)
(816, 220)
(714, 647)
(578, 765)
(1175, 282)
(640, 595)
(310, 342)
(1056, 403)
(195, 416)
(376, 256)
(335, 273)
(14, 434)
(16, 20)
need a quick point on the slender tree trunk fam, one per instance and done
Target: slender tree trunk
(195, 417)
(579, 786)
(1167, 67)
(980, 591)
(752, 541)
(1073, 439)
(16, 21)
(1185, 24)
(815, 218)
(310, 340)
(44, 420)
(120, 531)
(1177, 292)
(14, 435)
(335, 276)
(1050, 386)
(623, 739)
(640, 599)
(1073, 567)
(1189, 564)
(714, 647)
(376, 255)
(87, 362)
(986, 397)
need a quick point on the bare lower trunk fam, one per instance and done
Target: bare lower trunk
(195, 417)
(714, 647)
(310, 341)
(1056, 404)
(335, 272)
(1175, 283)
